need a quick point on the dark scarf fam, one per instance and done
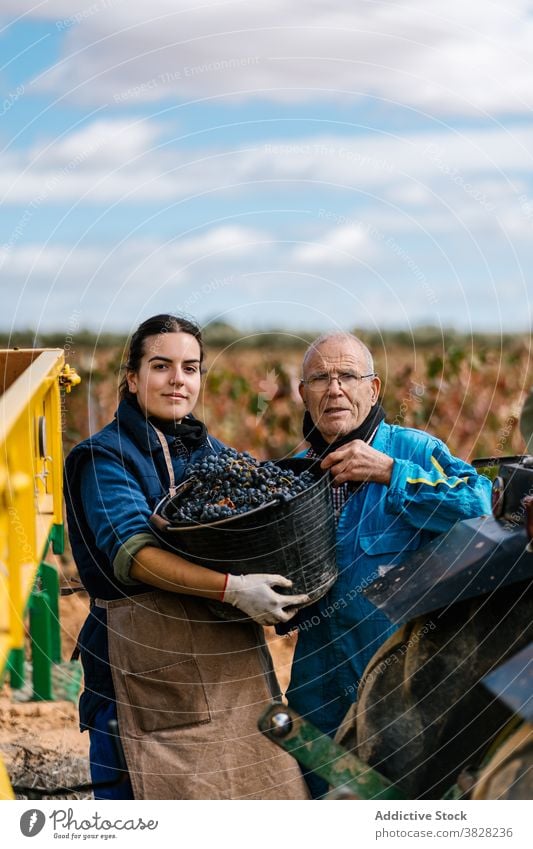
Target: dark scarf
(190, 433)
(365, 431)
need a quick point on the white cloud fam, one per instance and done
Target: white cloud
(131, 161)
(446, 56)
(100, 143)
(105, 160)
(341, 246)
(45, 261)
(409, 194)
(230, 239)
(232, 242)
(247, 276)
(42, 283)
(454, 201)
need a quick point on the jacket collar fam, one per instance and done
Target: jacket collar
(130, 419)
(381, 441)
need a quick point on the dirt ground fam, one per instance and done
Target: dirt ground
(40, 742)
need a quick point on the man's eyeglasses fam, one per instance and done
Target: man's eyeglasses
(346, 380)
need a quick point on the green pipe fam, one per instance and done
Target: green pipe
(50, 586)
(41, 645)
(15, 667)
(57, 538)
(320, 754)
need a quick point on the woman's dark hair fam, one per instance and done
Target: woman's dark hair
(164, 323)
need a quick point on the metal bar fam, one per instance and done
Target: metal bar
(50, 587)
(54, 483)
(15, 666)
(57, 538)
(320, 754)
(41, 645)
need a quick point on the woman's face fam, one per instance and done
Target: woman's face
(167, 383)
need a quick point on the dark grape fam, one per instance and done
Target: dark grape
(232, 483)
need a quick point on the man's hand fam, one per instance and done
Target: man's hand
(255, 596)
(357, 461)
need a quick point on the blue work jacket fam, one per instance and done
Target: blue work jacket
(379, 526)
(113, 482)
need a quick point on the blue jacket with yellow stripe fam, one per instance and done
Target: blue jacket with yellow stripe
(378, 526)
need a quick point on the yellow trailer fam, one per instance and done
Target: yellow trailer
(31, 515)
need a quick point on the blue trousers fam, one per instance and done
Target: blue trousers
(103, 757)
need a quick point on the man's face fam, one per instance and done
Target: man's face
(335, 408)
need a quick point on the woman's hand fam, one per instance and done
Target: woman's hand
(253, 594)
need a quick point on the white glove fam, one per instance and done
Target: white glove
(253, 594)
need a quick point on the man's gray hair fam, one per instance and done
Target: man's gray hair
(326, 337)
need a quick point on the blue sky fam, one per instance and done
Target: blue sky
(346, 164)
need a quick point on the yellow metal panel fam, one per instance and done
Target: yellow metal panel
(5, 616)
(30, 484)
(5, 787)
(16, 397)
(5, 630)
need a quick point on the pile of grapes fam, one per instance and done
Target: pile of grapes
(230, 483)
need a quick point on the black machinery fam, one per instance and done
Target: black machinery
(444, 707)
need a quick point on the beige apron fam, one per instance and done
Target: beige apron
(189, 690)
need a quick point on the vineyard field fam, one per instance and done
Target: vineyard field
(469, 396)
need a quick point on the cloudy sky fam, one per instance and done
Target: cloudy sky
(350, 163)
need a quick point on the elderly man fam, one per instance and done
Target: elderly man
(394, 488)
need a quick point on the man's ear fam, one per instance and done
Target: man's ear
(376, 388)
(301, 390)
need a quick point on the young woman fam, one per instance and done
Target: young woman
(187, 688)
